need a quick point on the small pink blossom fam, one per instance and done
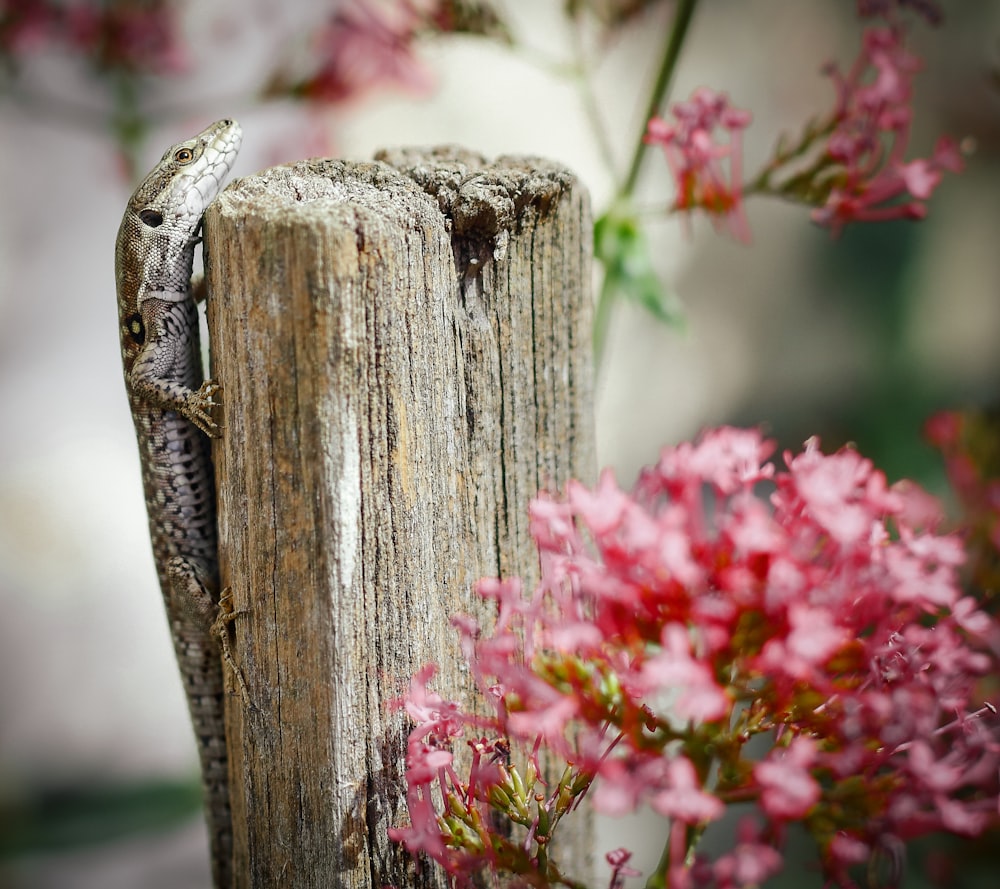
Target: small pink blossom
(27, 25)
(752, 529)
(696, 160)
(602, 509)
(752, 861)
(429, 711)
(814, 636)
(920, 510)
(848, 851)
(423, 834)
(548, 721)
(698, 695)
(618, 860)
(624, 784)
(684, 799)
(843, 491)
(368, 44)
(944, 429)
(788, 789)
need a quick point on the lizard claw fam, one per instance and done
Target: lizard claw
(220, 629)
(199, 406)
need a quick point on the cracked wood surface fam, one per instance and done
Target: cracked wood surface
(404, 354)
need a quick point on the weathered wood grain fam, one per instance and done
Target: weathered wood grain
(405, 360)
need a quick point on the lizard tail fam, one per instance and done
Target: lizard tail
(201, 667)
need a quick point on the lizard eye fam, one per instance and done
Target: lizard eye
(183, 156)
(152, 218)
(136, 329)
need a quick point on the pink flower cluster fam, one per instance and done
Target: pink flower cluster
(367, 44)
(720, 600)
(697, 161)
(871, 181)
(136, 36)
(858, 171)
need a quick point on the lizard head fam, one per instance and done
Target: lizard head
(161, 222)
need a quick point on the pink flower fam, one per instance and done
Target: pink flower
(429, 711)
(424, 762)
(720, 599)
(919, 509)
(696, 159)
(695, 693)
(127, 36)
(368, 44)
(847, 851)
(424, 832)
(869, 182)
(814, 636)
(923, 567)
(684, 799)
(788, 789)
(624, 784)
(944, 429)
(752, 861)
(842, 492)
(603, 509)
(618, 860)
(547, 721)
(752, 528)
(729, 459)
(27, 25)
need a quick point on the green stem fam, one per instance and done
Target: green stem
(784, 155)
(658, 878)
(671, 52)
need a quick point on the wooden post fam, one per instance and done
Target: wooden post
(404, 351)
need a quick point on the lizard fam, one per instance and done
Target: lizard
(172, 406)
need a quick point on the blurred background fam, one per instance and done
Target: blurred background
(855, 339)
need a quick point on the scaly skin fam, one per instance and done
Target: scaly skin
(172, 408)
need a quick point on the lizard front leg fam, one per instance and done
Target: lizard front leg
(161, 375)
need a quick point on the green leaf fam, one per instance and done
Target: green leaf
(620, 245)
